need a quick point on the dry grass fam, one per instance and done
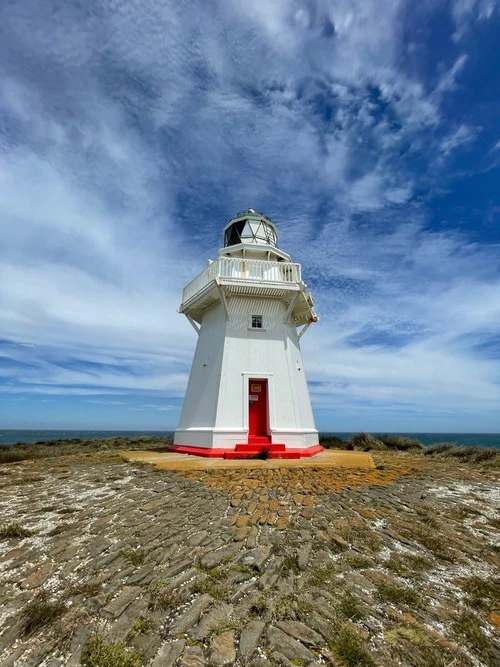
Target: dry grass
(14, 530)
(365, 442)
(53, 448)
(164, 598)
(401, 443)
(40, 612)
(464, 454)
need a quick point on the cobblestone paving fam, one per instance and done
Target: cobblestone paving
(395, 566)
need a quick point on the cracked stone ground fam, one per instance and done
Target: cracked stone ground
(395, 566)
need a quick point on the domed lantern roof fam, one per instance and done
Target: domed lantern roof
(252, 228)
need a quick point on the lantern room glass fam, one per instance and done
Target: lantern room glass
(253, 231)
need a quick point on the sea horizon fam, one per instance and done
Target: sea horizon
(32, 436)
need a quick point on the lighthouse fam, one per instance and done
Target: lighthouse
(247, 393)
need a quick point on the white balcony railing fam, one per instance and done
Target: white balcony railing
(232, 269)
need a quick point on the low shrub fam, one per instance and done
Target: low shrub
(465, 454)
(365, 442)
(439, 448)
(332, 442)
(401, 443)
(24, 451)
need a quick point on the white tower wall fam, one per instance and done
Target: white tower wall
(229, 353)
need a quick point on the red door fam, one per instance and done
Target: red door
(257, 411)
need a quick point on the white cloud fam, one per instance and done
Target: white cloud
(464, 12)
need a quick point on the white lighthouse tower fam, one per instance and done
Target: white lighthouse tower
(247, 391)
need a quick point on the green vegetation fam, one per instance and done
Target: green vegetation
(24, 451)
(142, 626)
(225, 625)
(40, 612)
(356, 561)
(213, 586)
(434, 543)
(408, 565)
(401, 443)
(349, 649)
(332, 442)
(14, 530)
(482, 593)
(284, 608)
(365, 442)
(420, 647)
(290, 563)
(350, 608)
(467, 627)
(259, 607)
(134, 556)
(164, 598)
(99, 653)
(398, 595)
(323, 575)
(88, 588)
(465, 454)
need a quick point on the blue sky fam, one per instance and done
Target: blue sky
(368, 131)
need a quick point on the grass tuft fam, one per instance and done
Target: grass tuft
(350, 608)
(467, 627)
(40, 612)
(14, 530)
(356, 561)
(465, 454)
(350, 650)
(134, 556)
(214, 587)
(482, 593)
(100, 653)
(398, 595)
(163, 598)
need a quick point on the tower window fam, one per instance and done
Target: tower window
(256, 321)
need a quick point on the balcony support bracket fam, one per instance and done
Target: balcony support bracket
(304, 329)
(193, 324)
(291, 307)
(224, 300)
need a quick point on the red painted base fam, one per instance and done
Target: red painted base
(245, 451)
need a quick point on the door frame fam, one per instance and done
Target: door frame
(262, 407)
(246, 376)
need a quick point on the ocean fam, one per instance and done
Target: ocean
(10, 437)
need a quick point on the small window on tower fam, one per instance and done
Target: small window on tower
(256, 321)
